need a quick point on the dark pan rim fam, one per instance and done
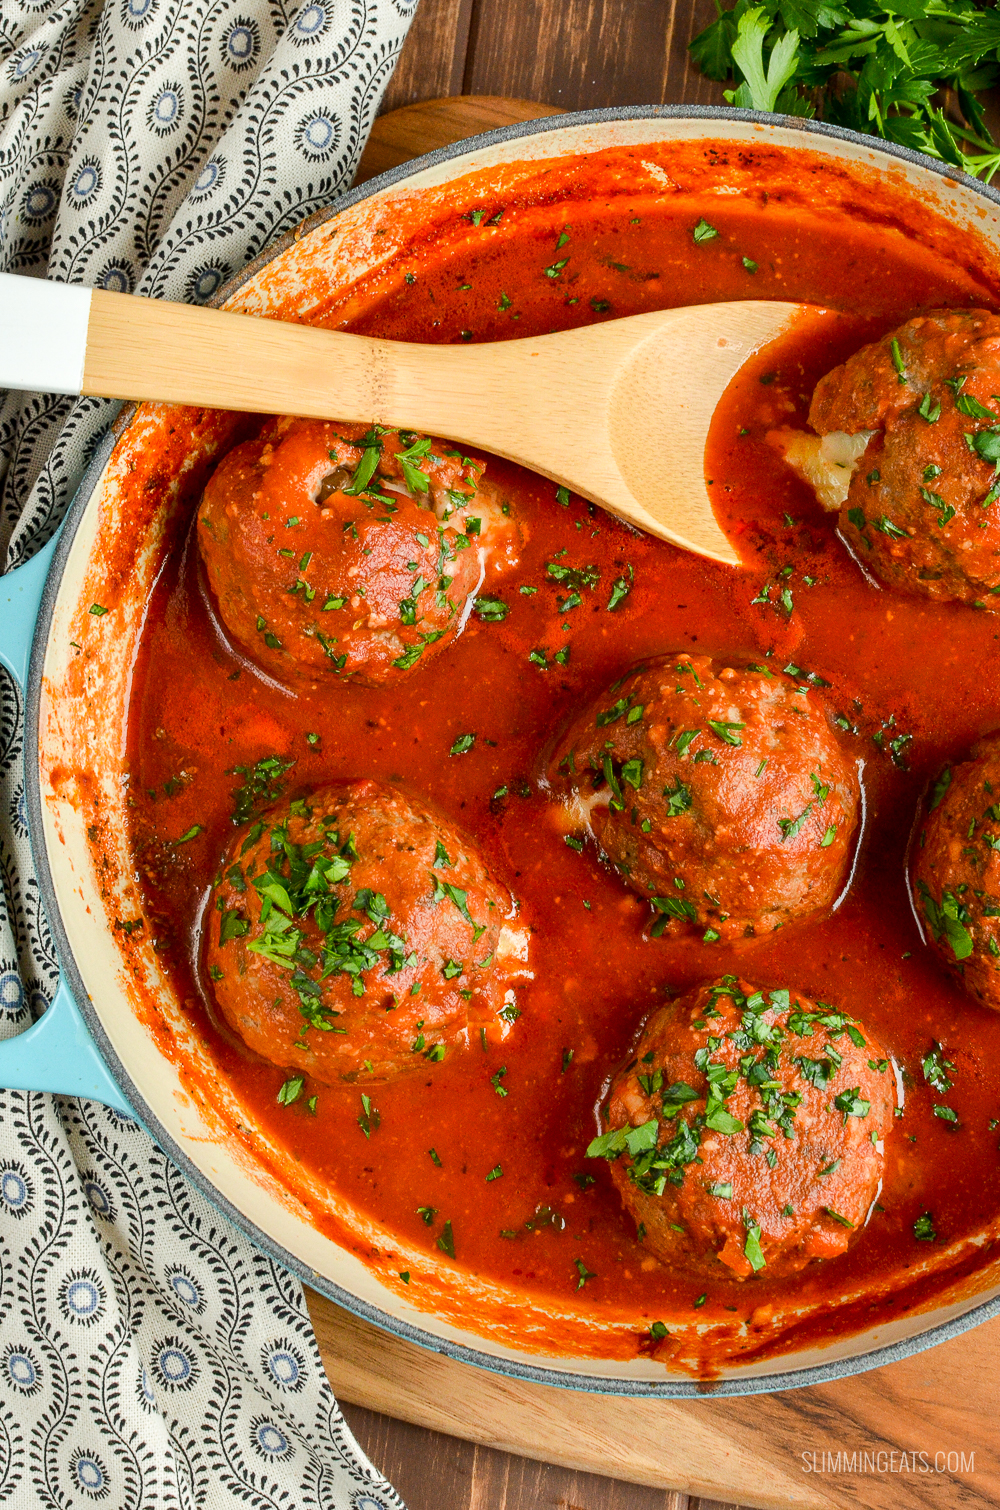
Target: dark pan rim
(673, 1387)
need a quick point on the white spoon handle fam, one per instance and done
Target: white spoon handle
(43, 334)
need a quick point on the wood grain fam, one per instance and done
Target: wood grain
(937, 1402)
(420, 1463)
(421, 128)
(586, 54)
(662, 1444)
(433, 57)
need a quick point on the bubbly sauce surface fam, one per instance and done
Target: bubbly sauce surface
(914, 684)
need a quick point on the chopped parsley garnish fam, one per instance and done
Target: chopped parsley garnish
(966, 404)
(897, 360)
(291, 1090)
(752, 1250)
(852, 1103)
(935, 1067)
(263, 785)
(727, 732)
(885, 526)
(947, 919)
(368, 465)
(819, 1072)
(678, 798)
(370, 1117)
(704, 232)
(939, 789)
(415, 478)
(721, 1189)
(491, 610)
(583, 1272)
(620, 589)
(923, 1228)
(790, 827)
(614, 713)
(986, 444)
(446, 1241)
(574, 578)
(462, 744)
(944, 510)
(232, 926)
(677, 909)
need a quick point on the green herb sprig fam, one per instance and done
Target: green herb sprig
(871, 67)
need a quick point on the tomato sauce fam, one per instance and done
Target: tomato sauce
(913, 682)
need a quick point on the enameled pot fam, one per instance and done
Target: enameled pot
(108, 1032)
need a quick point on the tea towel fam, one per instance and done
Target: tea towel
(150, 1357)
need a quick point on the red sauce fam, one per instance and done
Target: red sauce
(915, 682)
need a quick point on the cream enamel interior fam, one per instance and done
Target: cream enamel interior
(82, 722)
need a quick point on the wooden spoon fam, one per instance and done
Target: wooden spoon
(619, 412)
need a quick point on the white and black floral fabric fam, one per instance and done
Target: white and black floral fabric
(149, 1355)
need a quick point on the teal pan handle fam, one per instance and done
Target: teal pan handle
(57, 1053)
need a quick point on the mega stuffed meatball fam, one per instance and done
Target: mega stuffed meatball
(333, 551)
(356, 934)
(956, 870)
(721, 794)
(921, 406)
(747, 1131)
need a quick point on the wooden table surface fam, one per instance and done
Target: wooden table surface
(571, 55)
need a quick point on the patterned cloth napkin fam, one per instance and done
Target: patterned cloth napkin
(149, 1355)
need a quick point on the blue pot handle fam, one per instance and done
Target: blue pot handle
(56, 1053)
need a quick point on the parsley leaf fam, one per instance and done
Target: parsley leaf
(875, 67)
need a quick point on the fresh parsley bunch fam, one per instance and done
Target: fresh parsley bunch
(874, 68)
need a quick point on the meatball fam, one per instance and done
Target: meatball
(356, 934)
(922, 509)
(336, 552)
(956, 870)
(722, 795)
(747, 1130)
